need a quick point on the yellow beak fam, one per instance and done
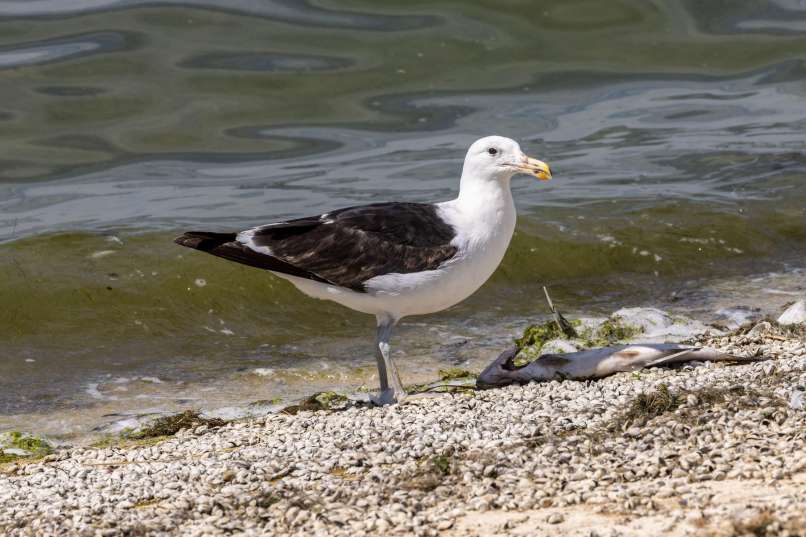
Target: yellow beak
(535, 167)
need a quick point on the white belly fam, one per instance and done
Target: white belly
(400, 295)
(436, 290)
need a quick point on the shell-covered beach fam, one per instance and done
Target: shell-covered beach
(700, 449)
(674, 132)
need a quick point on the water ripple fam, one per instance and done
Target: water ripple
(70, 91)
(293, 11)
(265, 61)
(774, 17)
(66, 48)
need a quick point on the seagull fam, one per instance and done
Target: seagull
(394, 259)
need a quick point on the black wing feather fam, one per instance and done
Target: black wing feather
(345, 247)
(224, 245)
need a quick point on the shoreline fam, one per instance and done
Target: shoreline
(127, 399)
(519, 460)
(70, 389)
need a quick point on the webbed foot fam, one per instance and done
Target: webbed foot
(388, 397)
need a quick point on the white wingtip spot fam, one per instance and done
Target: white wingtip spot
(245, 238)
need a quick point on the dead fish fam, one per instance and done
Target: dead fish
(597, 363)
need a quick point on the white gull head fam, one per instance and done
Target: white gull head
(496, 158)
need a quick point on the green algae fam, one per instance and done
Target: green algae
(330, 399)
(16, 439)
(454, 373)
(442, 463)
(170, 425)
(124, 440)
(318, 401)
(264, 402)
(429, 473)
(613, 330)
(157, 430)
(536, 335)
(7, 457)
(35, 447)
(610, 332)
(649, 405)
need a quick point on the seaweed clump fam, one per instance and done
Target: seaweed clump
(536, 335)
(318, 401)
(662, 400)
(454, 373)
(34, 447)
(430, 474)
(613, 330)
(170, 425)
(650, 405)
(442, 463)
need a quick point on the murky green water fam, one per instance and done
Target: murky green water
(676, 131)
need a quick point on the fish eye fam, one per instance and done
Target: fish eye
(492, 151)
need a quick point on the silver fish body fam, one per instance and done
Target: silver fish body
(597, 363)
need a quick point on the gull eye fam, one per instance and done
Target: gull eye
(492, 151)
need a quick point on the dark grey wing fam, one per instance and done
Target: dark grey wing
(349, 246)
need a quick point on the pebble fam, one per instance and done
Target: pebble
(555, 518)
(794, 314)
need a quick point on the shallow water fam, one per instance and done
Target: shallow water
(674, 130)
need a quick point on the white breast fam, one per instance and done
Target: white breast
(484, 227)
